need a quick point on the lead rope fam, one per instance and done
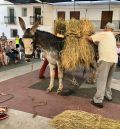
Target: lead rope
(32, 66)
(32, 98)
(35, 104)
(11, 96)
(73, 81)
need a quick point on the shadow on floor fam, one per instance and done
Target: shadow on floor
(86, 92)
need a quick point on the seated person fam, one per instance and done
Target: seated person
(118, 51)
(37, 53)
(3, 37)
(13, 48)
(10, 53)
(1, 56)
(6, 58)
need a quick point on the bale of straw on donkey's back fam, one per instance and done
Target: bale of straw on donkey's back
(77, 51)
(86, 27)
(60, 26)
(82, 120)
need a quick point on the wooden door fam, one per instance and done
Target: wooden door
(106, 17)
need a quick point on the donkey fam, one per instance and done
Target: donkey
(51, 45)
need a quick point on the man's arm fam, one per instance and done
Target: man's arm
(91, 40)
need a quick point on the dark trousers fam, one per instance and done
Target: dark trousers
(11, 55)
(43, 68)
(119, 59)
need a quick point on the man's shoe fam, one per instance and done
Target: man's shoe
(107, 99)
(41, 77)
(99, 105)
(48, 90)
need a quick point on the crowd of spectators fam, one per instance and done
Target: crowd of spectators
(8, 52)
(13, 51)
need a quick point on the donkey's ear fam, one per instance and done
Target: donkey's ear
(34, 27)
(22, 24)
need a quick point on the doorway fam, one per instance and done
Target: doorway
(37, 14)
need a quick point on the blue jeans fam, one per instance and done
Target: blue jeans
(11, 55)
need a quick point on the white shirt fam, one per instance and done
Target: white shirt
(106, 47)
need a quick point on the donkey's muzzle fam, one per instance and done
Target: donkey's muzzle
(28, 56)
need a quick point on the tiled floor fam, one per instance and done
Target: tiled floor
(17, 82)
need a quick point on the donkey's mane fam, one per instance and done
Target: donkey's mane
(48, 40)
(48, 34)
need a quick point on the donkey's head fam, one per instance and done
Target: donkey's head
(28, 37)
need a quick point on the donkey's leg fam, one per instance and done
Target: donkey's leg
(92, 76)
(93, 72)
(60, 76)
(52, 75)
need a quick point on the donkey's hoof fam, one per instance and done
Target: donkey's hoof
(48, 91)
(90, 81)
(59, 91)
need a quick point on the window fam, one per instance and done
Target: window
(24, 12)
(11, 19)
(14, 32)
(106, 17)
(75, 14)
(61, 15)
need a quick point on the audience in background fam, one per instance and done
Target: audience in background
(17, 41)
(1, 56)
(118, 52)
(3, 37)
(37, 53)
(10, 53)
(14, 50)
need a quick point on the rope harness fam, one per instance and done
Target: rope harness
(11, 96)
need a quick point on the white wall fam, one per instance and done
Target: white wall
(93, 12)
(49, 13)
(3, 27)
(46, 12)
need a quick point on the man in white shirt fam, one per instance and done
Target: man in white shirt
(108, 59)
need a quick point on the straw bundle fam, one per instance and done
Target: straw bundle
(82, 120)
(86, 27)
(69, 55)
(60, 26)
(77, 51)
(73, 28)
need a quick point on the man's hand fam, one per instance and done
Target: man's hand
(89, 38)
(91, 41)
